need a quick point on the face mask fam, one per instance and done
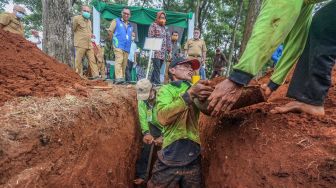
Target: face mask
(133, 38)
(86, 15)
(102, 44)
(19, 15)
(93, 40)
(162, 22)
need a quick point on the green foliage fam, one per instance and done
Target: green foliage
(2, 5)
(34, 19)
(217, 19)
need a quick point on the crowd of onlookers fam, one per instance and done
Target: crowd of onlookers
(126, 52)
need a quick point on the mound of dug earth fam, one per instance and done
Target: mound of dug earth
(27, 71)
(253, 148)
(52, 136)
(70, 141)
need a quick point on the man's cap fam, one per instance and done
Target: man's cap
(195, 64)
(143, 88)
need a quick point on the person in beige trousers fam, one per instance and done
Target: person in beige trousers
(82, 42)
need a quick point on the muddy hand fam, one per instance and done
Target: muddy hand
(224, 97)
(201, 90)
(267, 91)
(158, 141)
(148, 139)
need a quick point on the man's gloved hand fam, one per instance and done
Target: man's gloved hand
(158, 141)
(148, 139)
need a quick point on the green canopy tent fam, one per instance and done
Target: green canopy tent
(143, 17)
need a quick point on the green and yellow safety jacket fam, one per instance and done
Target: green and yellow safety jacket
(147, 115)
(177, 114)
(279, 21)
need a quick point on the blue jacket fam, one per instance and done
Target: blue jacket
(122, 37)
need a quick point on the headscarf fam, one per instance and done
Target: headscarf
(158, 15)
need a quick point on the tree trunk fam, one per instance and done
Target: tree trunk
(198, 13)
(234, 33)
(57, 30)
(252, 14)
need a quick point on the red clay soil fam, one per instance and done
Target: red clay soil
(98, 148)
(250, 147)
(27, 71)
(56, 140)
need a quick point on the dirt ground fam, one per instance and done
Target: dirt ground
(251, 147)
(26, 71)
(55, 130)
(70, 141)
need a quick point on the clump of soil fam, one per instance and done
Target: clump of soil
(250, 147)
(27, 71)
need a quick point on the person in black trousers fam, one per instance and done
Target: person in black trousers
(312, 76)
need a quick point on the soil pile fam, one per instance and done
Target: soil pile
(70, 141)
(57, 137)
(27, 71)
(251, 147)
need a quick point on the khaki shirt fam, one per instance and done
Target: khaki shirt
(82, 32)
(114, 25)
(195, 48)
(11, 23)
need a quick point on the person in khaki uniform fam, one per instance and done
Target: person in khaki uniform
(120, 32)
(196, 48)
(82, 42)
(11, 22)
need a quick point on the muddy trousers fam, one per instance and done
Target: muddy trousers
(142, 162)
(164, 176)
(312, 76)
(80, 53)
(284, 21)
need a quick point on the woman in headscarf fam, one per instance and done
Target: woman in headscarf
(158, 30)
